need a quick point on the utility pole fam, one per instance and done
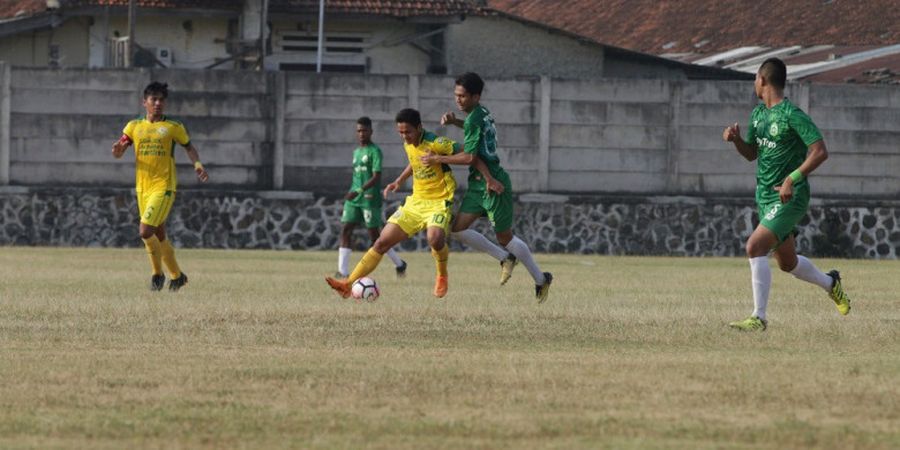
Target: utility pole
(131, 24)
(263, 26)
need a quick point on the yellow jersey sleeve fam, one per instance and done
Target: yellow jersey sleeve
(180, 134)
(129, 129)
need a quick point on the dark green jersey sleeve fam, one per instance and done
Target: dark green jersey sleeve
(751, 127)
(800, 122)
(472, 133)
(376, 159)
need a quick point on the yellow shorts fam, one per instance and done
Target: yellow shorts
(417, 214)
(154, 206)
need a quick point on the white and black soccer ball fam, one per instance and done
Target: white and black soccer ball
(366, 289)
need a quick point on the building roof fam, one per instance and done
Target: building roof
(393, 8)
(703, 26)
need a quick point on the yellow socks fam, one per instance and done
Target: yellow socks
(440, 259)
(154, 251)
(168, 257)
(366, 265)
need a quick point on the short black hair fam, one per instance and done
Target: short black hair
(157, 88)
(471, 82)
(364, 121)
(774, 71)
(409, 116)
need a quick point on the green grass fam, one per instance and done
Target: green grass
(256, 352)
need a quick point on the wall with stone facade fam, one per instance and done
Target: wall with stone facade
(607, 225)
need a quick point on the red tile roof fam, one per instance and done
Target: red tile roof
(656, 27)
(392, 8)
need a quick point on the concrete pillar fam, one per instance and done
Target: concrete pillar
(673, 143)
(278, 155)
(413, 95)
(543, 160)
(5, 141)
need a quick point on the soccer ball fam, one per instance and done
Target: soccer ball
(366, 289)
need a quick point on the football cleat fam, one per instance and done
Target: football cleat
(177, 283)
(157, 282)
(506, 268)
(841, 301)
(342, 287)
(542, 291)
(401, 270)
(751, 323)
(440, 286)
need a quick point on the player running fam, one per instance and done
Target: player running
(154, 137)
(362, 204)
(486, 197)
(788, 147)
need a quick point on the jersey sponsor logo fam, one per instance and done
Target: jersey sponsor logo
(763, 142)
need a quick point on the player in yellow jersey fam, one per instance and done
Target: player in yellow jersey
(154, 137)
(427, 208)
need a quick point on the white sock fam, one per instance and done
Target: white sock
(344, 260)
(761, 277)
(520, 250)
(807, 271)
(477, 241)
(395, 258)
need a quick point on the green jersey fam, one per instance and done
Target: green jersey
(480, 139)
(782, 134)
(366, 161)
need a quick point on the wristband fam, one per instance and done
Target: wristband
(198, 165)
(796, 175)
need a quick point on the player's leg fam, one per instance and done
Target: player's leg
(500, 211)
(148, 204)
(470, 210)
(168, 252)
(804, 269)
(758, 246)
(372, 217)
(438, 223)
(350, 216)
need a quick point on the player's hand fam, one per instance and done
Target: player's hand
(448, 119)
(732, 133)
(118, 149)
(202, 175)
(495, 186)
(786, 190)
(351, 195)
(391, 187)
(429, 159)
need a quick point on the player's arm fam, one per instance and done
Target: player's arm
(733, 134)
(815, 156)
(450, 119)
(393, 186)
(465, 159)
(119, 147)
(195, 159)
(368, 184)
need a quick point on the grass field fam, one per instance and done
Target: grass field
(256, 352)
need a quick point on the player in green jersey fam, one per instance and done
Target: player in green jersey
(491, 197)
(362, 204)
(788, 147)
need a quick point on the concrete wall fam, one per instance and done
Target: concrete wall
(33, 48)
(295, 131)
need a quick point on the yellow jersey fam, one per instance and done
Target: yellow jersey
(154, 152)
(435, 181)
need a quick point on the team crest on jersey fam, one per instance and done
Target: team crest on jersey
(162, 131)
(365, 159)
(773, 129)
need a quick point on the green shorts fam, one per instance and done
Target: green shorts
(782, 218)
(497, 207)
(368, 215)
